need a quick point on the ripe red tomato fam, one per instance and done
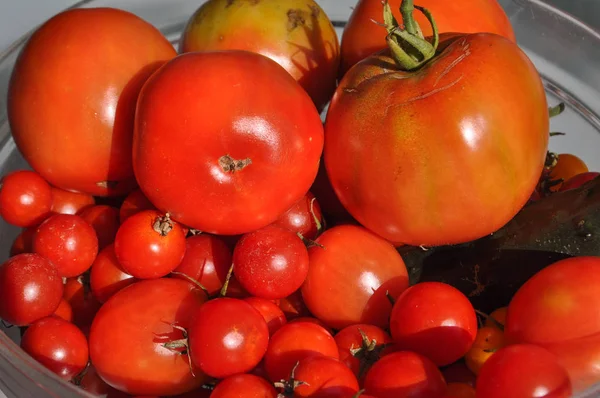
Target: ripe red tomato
(360, 346)
(30, 289)
(69, 242)
(324, 377)
(255, 157)
(547, 306)
(362, 37)
(93, 384)
(293, 306)
(227, 336)
(66, 202)
(142, 318)
(578, 180)
(23, 243)
(311, 319)
(107, 276)
(135, 202)
(304, 217)
(272, 314)
(349, 276)
(87, 106)
(271, 262)
(414, 140)
(207, 260)
(58, 345)
(64, 311)
(244, 386)
(405, 374)
(296, 34)
(523, 370)
(25, 198)
(105, 221)
(436, 320)
(149, 245)
(295, 342)
(83, 303)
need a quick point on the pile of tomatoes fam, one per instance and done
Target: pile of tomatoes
(191, 228)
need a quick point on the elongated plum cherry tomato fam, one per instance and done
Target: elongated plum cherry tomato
(67, 202)
(271, 262)
(135, 202)
(149, 245)
(107, 276)
(272, 314)
(436, 320)
(244, 386)
(58, 345)
(81, 136)
(523, 370)
(360, 346)
(304, 217)
(69, 242)
(25, 198)
(105, 221)
(30, 289)
(578, 180)
(227, 336)
(405, 374)
(350, 275)
(256, 156)
(146, 314)
(323, 376)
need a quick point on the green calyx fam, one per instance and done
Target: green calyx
(408, 46)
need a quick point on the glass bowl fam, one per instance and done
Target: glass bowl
(565, 51)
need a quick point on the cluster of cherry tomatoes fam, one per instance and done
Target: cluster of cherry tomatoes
(191, 228)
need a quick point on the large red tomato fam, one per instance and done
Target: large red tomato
(430, 157)
(295, 33)
(129, 333)
(226, 141)
(73, 92)
(362, 37)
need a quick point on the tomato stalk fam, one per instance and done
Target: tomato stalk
(408, 47)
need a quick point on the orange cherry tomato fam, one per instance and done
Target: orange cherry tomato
(488, 340)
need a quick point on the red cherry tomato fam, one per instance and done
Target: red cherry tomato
(23, 243)
(67, 202)
(349, 276)
(107, 276)
(142, 318)
(272, 314)
(207, 260)
(578, 180)
(360, 346)
(149, 245)
(405, 374)
(255, 158)
(324, 377)
(105, 221)
(69, 242)
(227, 336)
(312, 320)
(436, 320)
(304, 217)
(135, 202)
(244, 386)
(271, 262)
(523, 370)
(64, 310)
(30, 289)
(58, 345)
(84, 305)
(80, 138)
(25, 198)
(295, 342)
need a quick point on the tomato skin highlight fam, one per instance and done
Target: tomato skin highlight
(244, 386)
(256, 156)
(25, 198)
(67, 202)
(423, 179)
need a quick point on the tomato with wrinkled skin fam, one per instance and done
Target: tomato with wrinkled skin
(141, 317)
(107, 276)
(360, 352)
(324, 377)
(523, 370)
(87, 106)
(25, 198)
(105, 221)
(254, 152)
(244, 386)
(362, 37)
(436, 320)
(67, 202)
(272, 314)
(578, 180)
(349, 276)
(297, 34)
(410, 159)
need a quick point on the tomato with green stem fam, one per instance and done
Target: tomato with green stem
(320, 376)
(360, 346)
(304, 218)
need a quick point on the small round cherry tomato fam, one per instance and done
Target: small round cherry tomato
(272, 314)
(69, 242)
(405, 374)
(489, 339)
(244, 386)
(149, 245)
(435, 320)
(271, 262)
(360, 346)
(25, 198)
(304, 217)
(64, 310)
(67, 202)
(207, 260)
(84, 305)
(567, 166)
(105, 221)
(578, 180)
(227, 336)
(523, 370)
(30, 289)
(322, 376)
(107, 276)
(295, 342)
(135, 202)
(23, 243)
(58, 345)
